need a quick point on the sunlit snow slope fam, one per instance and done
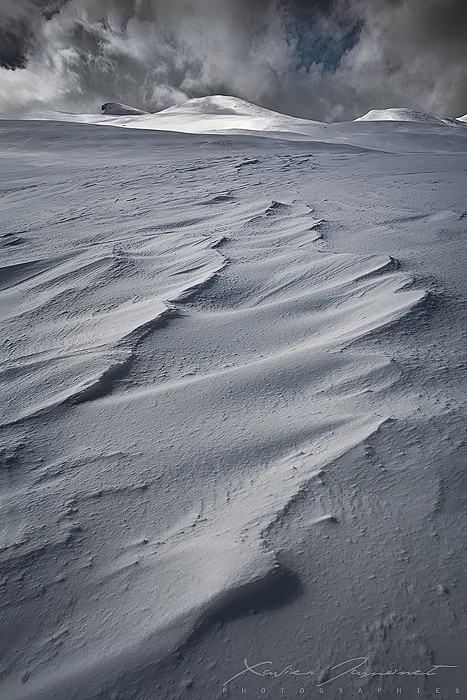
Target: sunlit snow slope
(231, 384)
(201, 115)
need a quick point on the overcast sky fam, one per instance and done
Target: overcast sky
(323, 59)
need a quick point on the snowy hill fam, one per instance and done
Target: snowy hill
(403, 115)
(220, 112)
(209, 115)
(204, 115)
(222, 104)
(118, 109)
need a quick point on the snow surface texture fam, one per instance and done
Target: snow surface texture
(231, 385)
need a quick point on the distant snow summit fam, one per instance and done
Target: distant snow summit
(404, 115)
(120, 110)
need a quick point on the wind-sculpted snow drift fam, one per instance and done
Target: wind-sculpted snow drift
(189, 353)
(85, 306)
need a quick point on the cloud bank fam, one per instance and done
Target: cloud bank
(327, 59)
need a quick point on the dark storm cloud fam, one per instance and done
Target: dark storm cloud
(416, 49)
(13, 49)
(327, 59)
(20, 24)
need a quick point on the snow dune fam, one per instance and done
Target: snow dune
(83, 310)
(213, 399)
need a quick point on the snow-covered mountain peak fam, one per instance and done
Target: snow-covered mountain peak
(221, 104)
